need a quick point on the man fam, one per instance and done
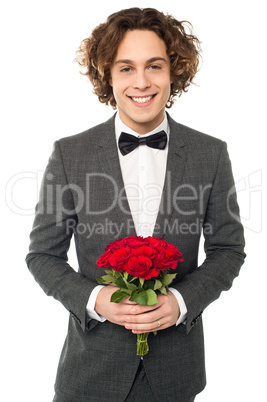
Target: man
(96, 190)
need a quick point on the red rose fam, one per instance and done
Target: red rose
(134, 241)
(153, 242)
(103, 261)
(172, 249)
(141, 267)
(165, 259)
(145, 251)
(115, 245)
(141, 257)
(119, 258)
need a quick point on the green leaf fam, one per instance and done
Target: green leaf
(167, 279)
(149, 284)
(151, 297)
(120, 282)
(131, 286)
(128, 291)
(135, 293)
(108, 278)
(139, 297)
(100, 280)
(163, 290)
(125, 276)
(118, 296)
(157, 285)
(109, 271)
(141, 281)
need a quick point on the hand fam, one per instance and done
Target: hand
(113, 312)
(138, 318)
(147, 318)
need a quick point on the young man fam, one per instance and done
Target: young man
(98, 186)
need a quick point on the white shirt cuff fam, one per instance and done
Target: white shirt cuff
(183, 309)
(90, 308)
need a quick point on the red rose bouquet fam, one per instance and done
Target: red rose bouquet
(139, 267)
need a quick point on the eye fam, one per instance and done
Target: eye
(126, 69)
(155, 67)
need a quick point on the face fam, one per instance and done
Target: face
(141, 80)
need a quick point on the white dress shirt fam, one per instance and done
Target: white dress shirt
(143, 172)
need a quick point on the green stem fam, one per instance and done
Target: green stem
(142, 345)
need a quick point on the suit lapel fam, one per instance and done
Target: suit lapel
(177, 156)
(109, 161)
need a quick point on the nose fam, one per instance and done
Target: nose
(141, 80)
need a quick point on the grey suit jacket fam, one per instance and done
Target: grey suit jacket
(83, 197)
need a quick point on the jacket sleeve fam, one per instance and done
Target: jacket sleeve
(50, 240)
(224, 246)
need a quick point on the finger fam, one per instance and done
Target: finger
(128, 302)
(151, 318)
(144, 314)
(137, 309)
(147, 327)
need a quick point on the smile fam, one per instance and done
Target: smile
(142, 99)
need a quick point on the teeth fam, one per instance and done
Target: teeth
(142, 100)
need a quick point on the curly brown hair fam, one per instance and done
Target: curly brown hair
(98, 52)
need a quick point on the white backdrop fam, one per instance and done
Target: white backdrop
(44, 98)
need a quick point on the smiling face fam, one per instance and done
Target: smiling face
(141, 80)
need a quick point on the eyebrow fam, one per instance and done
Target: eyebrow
(127, 61)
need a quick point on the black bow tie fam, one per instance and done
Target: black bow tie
(128, 142)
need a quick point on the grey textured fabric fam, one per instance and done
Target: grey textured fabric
(141, 389)
(83, 196)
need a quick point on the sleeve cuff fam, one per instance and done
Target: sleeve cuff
(183, 309)
(90, 308)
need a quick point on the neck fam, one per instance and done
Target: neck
(142, 128)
